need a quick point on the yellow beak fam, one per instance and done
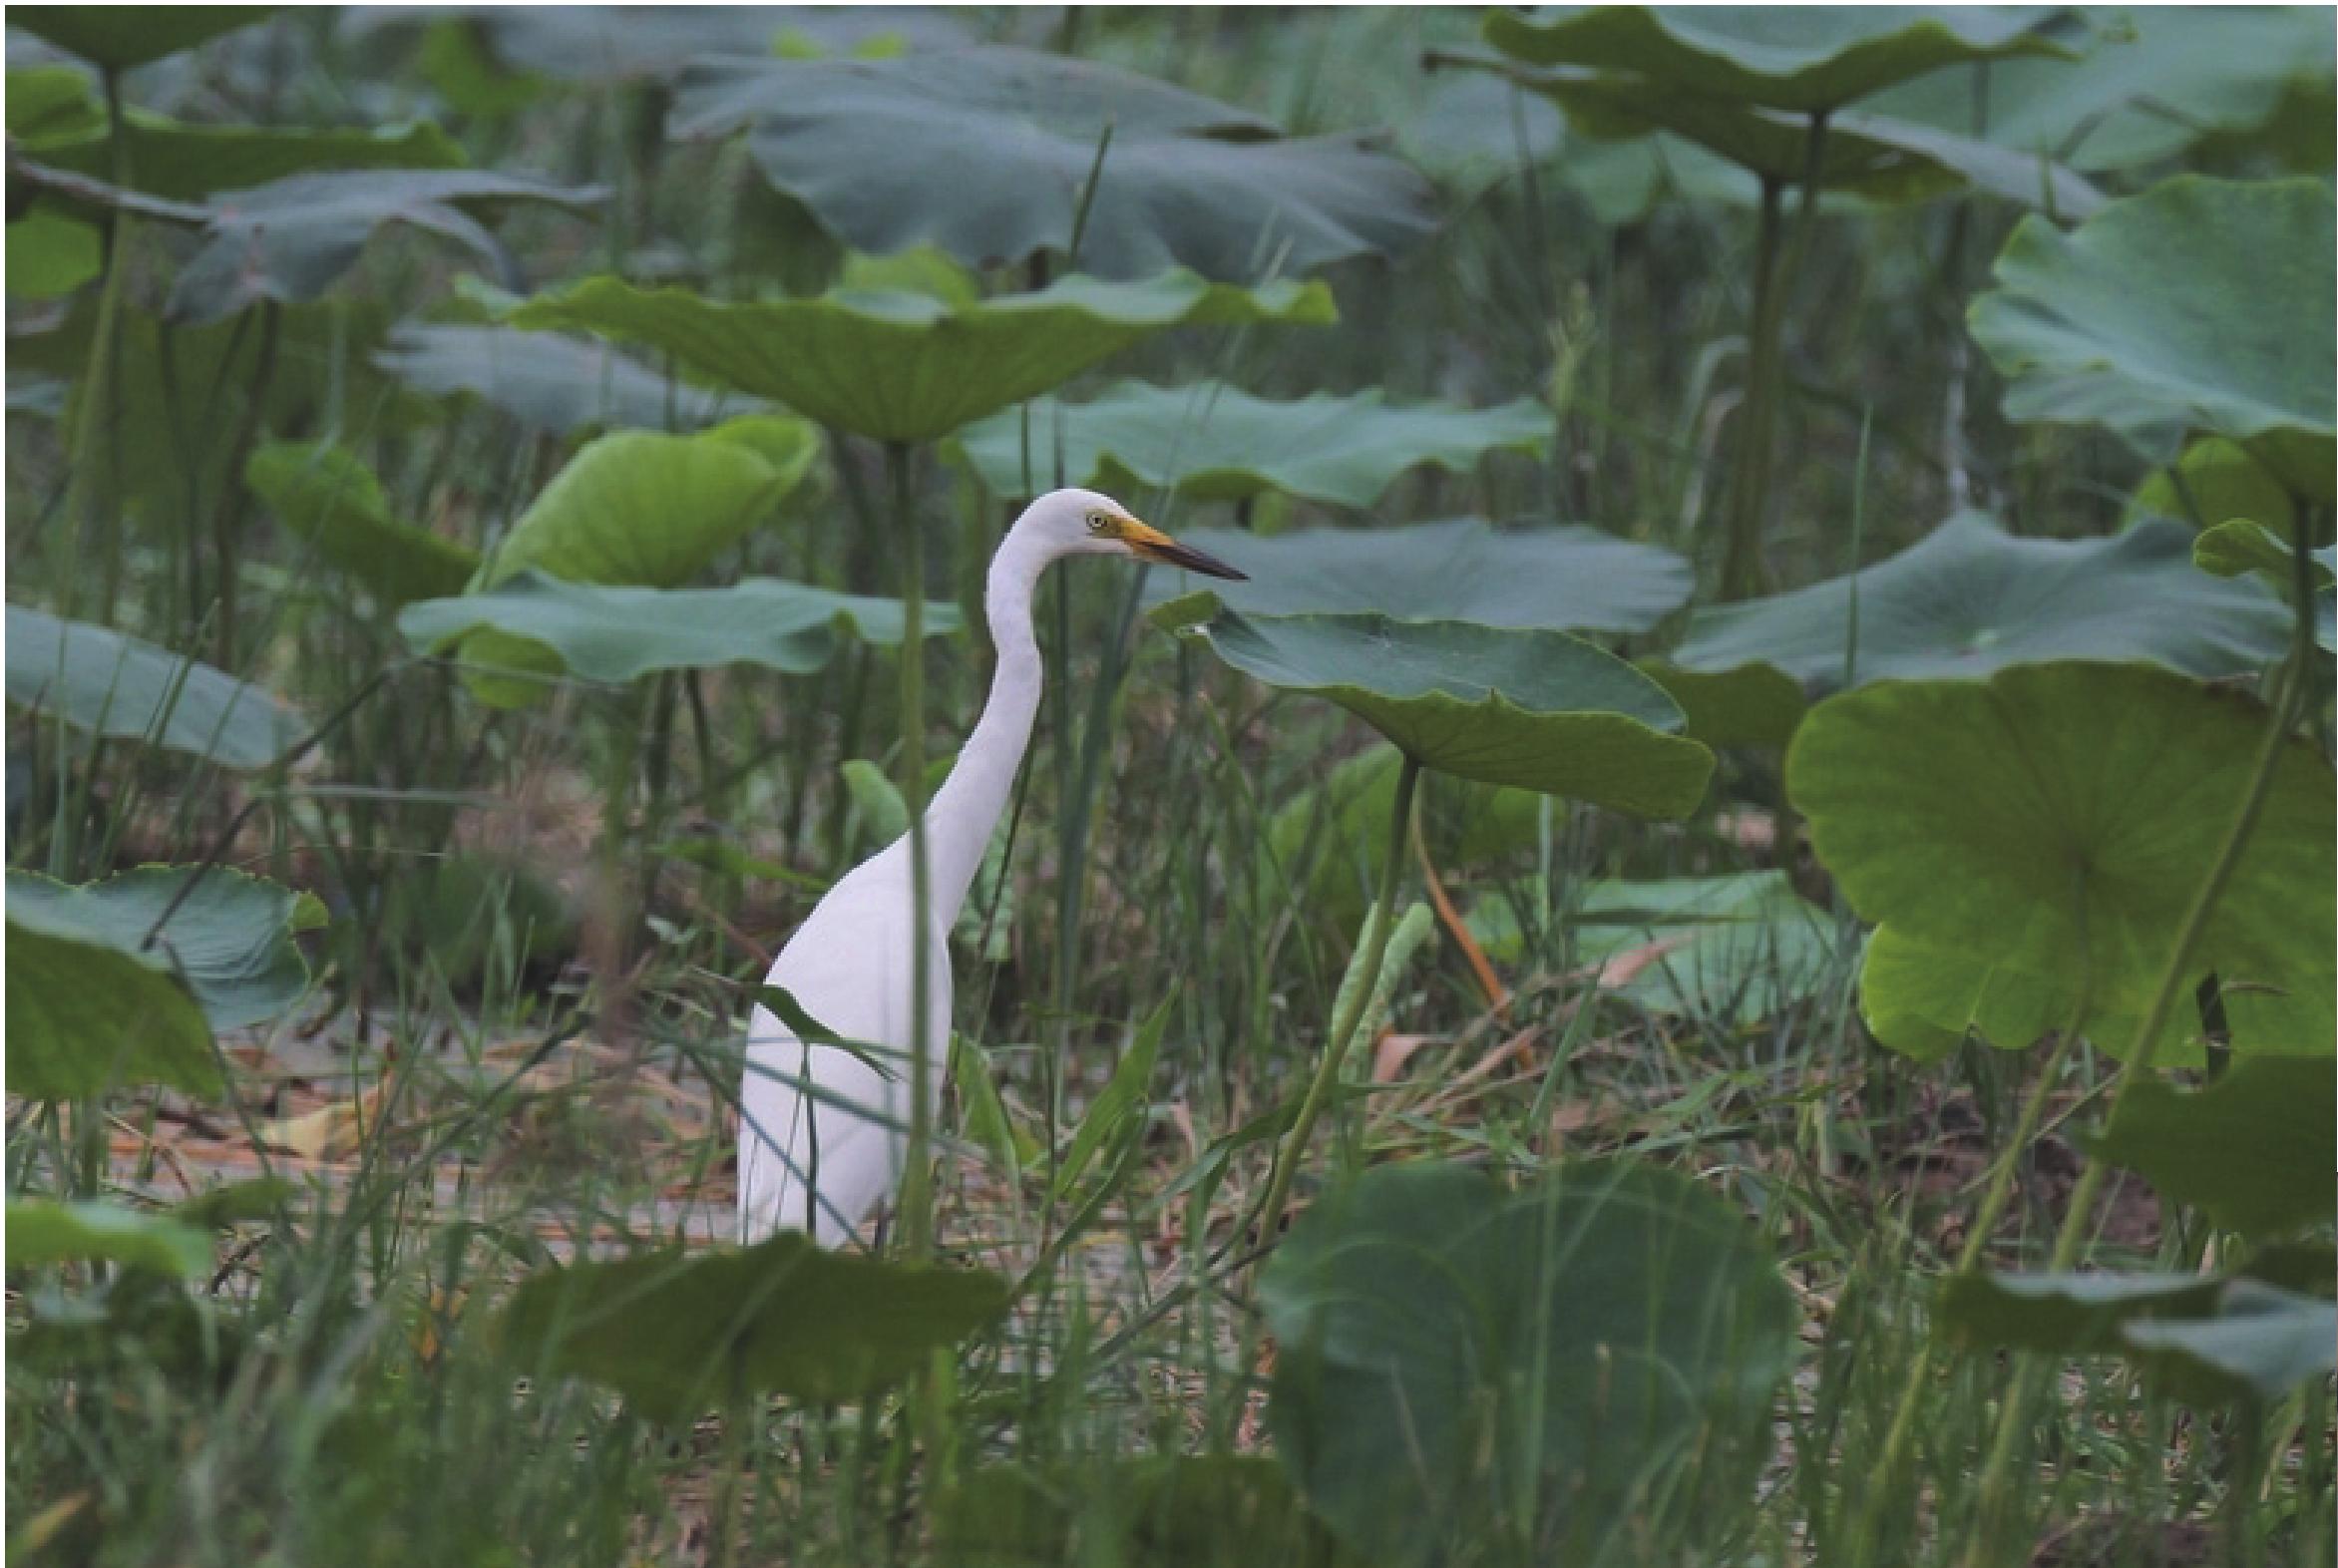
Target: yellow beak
(1150, 543)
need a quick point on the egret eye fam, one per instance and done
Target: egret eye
(1097, 522)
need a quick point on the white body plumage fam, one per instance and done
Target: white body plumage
(823, 1128)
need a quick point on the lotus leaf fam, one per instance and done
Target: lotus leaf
(1540, 710)
(51, 103)
(546, 381)
(2060, 817)
(2202, 305)
(87, 1015)
(2276, 1109)
(616, 633)
(2148, 88)
(905, 367)
(229, 938)
(1451, 1355)
(677, 1334)
(1862, 154)
(2215, 482)
(2209, 1340)
(330, 498)
(1751, 706)
(111, 684)
(42, 1233)
(1731, 951)
(1923, 999)
(1806, 60)
(186, 162)
(122, 37)
(1969, 600)
(1213, 442)
(1557, 579)
(986, 154)
(292, 239)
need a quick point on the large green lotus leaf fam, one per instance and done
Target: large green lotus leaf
(2209, 1341)
(1213, 442)
(649, 509)
(1805, 59)
(1459, 1364)
(898, 366)
(186, 162)
(1969, 600)
(618, 634)
(107, 684)
(42, 1233)
(2153, 83)
(87, 1015)
(1863, 154)
(2060, 816)
(677, 1334)
(1557, 579)
(2185, 1144)
(330, 498)
(1731, 951)
(229, 940)
(1923, 999)
(1161, 1510)
(986, 152)
(2202, 305)
(120, 37)
(51, 254)
(290, 240)
(546, 381)
(1539, 710)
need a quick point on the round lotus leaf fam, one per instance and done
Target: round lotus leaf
(186, 162)
(1558, 578)
(2184, 1144)
(1213, 442)
(1969, 600)
(2202, 305)
(1805, 59)
(229, 938)
(905, 367)
(41, 1233)
(1541, 711)
(2058, 818)
(1462, 1366)
(986, 154)
(620, 634)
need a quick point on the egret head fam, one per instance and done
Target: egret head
(1084, 523)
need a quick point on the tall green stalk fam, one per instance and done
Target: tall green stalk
(1350, 1022)
(917, 1194)
(1774, 275)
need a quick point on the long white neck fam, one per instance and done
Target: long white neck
(965, 812)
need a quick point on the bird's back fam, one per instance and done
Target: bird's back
(849, 966)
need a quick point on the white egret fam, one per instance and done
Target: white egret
(822, 1128)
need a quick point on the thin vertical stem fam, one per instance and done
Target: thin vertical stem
(917, 1219)
(1350, 1022)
